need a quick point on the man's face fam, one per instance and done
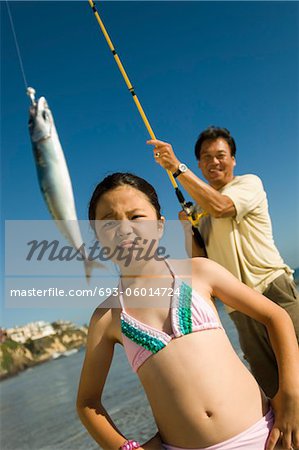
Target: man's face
(216, 163)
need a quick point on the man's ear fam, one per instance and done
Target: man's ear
(235, 161)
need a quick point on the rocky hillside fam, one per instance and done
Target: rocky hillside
(15, 357)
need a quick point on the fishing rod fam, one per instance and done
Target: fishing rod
(188, 207)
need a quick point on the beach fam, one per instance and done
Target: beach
(38, 406)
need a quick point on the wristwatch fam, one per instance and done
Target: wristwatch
(182, 169)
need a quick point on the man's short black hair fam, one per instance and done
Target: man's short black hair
(212, 133)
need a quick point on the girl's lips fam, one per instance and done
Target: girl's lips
(126, 244)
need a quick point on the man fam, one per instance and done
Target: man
(238, 235)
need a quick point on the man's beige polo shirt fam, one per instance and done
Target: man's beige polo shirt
(244, 244)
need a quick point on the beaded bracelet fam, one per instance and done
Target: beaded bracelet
(129, 445)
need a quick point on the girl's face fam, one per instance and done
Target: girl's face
(126, 223)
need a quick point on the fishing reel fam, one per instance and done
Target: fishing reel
(193, 214)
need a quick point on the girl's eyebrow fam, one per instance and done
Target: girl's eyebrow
(135, 210)
(110, 213)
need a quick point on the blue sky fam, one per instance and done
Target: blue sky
(193, 64)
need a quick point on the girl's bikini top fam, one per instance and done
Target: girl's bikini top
(189, 313)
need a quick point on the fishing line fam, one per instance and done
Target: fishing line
(16, 44)
(193, 216)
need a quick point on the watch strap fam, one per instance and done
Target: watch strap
(176, 173)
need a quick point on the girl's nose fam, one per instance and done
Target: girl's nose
(124, 228)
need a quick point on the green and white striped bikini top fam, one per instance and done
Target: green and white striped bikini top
(189, 313)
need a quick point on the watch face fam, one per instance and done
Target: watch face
(183, 167)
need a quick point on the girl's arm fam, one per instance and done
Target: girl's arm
(282, 337)
(98, 358)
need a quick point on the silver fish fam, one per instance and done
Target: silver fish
(53, 176)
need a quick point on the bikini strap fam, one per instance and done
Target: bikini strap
(171, 270)
(120, 295)
(120, 286)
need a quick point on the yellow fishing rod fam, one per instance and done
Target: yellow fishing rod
(188, 207)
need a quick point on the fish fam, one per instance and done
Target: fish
(54, 178)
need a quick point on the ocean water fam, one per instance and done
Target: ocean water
(37, 407)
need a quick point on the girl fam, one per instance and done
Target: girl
(201, 395)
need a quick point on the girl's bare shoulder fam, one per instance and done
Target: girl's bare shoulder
(106, 318)
(197, 272)
(190, 266)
